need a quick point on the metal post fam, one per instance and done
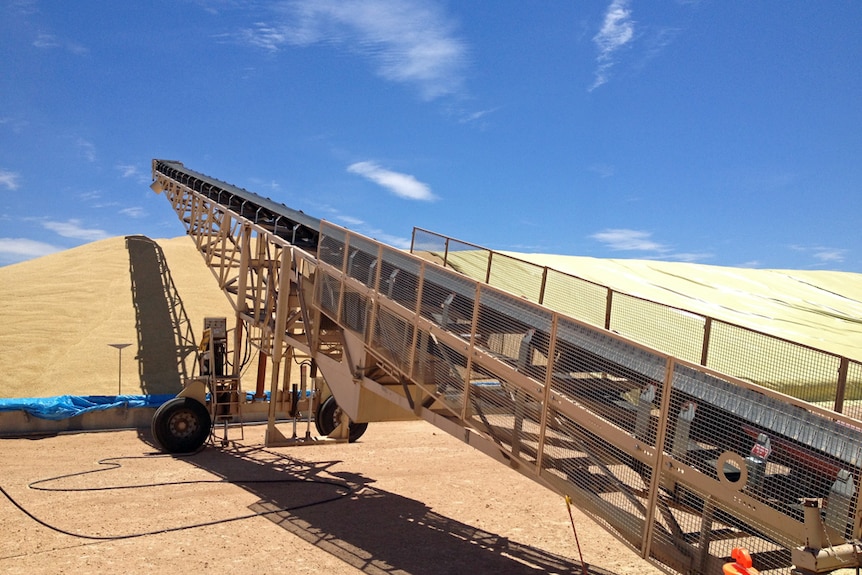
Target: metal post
(119, 347)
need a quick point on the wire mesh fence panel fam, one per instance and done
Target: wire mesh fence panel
(430, 370)
(393, 337)
(355, 310)
(773, 454)
(603, 481)
(362, 260)
(399, 277)
(501, 409)
(576, 298)
(504, 319)
(450, 372)
(516, 276)
(776, 364)
(470, 260)
(327, 292)
(330, 248)
(448, 299)
(673, 331)
(749, 459)
(696, 536)
(852, 405)
(757, 357)
(429, 246)
(614, 379)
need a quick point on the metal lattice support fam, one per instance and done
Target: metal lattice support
(679, 461)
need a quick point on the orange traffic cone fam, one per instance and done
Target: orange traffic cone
(741, 564)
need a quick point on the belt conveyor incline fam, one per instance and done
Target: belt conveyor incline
(679, 462)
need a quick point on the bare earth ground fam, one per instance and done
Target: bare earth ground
(405, 499)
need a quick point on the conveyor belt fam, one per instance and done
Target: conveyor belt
(658, 450)
(292, 225)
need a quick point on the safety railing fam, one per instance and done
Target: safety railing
(813, 375)
(678, 460)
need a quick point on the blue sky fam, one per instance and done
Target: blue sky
(717, 132)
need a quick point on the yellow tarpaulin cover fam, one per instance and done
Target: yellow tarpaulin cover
(822, 309)
(787, 330)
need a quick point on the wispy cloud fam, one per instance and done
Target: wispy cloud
(350, 220)
(823, 254)
(51, 42)
(618, 29)
(477, 116)
(625, 240)
(13, 250)
(830, 255)
(131, 171)
(75, 230)
(402, 185)
(602, 170)
(410, 41)
(87, 149)
(134, 212)
(9, 180)
(629, 240)
(16, 125)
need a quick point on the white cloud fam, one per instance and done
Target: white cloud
(399, 242)
(403, 185)
(132, 171)
(50, 42)
(824, 254)
(474, 116)
(410, 41)
(9, 180)
(46, 41)
(617, 30)
(629, 240)
(73, 229)
(602, 170)
(350, 220)
(641, 241)
(690, 257)
(128, 170)
(134, 212)
(830, 255)
(14, 250)
(87, 149)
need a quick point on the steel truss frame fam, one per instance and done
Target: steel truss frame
(391, 329)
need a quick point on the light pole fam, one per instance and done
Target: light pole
(119, 347)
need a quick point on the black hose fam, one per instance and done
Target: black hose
(112, 462)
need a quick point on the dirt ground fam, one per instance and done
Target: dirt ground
(405, 499)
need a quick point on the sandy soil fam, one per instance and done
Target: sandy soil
(405, 499)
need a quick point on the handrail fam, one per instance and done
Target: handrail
(802, 371)
(678, 460)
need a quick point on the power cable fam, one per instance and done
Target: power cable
(113, 463)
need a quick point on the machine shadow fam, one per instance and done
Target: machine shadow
(375, 531)
(165, 337)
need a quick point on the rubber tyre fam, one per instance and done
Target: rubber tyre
(327, 418)
(181, 425)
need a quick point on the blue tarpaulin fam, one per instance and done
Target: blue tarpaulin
(66, 406)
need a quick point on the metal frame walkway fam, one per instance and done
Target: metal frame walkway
(666, 454)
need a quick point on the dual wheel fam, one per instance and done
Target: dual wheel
(182, 424)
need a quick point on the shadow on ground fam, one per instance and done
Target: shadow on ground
(375, 531)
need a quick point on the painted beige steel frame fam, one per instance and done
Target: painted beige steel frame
(263, 276)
